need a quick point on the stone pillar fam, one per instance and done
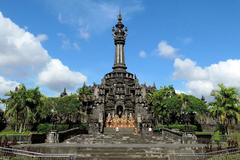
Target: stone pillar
(52, 137)
(119, 55)
(100, 121)
(139, 121)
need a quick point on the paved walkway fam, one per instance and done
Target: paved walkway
(162, 145)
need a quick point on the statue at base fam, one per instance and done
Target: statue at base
(108, 120)
(131, 121)
(123, 122)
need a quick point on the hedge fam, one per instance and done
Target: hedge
(46, 127)
(180, 127)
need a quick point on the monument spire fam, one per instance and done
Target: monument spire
(119, 35)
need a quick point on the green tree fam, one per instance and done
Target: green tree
(2, 120)
(225, 107)
(62, 110)
(170, 107)
(68, 109)
(84, 93)
(21, 107)
(193, 109)
(86, 98)
(166, 104)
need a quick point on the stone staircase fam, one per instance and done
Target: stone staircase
(121, 131)
(119, 153)
(118, 139)
(123, 146)
(118, 147)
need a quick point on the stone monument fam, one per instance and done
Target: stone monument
(119, 101)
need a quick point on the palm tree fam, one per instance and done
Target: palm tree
(226, 107)
(14, 106)
(21, 107)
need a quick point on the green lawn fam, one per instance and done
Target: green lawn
(227, 157)
(11, 132)
(18, 158)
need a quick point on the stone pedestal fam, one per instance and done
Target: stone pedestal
(93, 128)
(52, 137)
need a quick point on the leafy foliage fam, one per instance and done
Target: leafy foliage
(62, 110)
(2, 120)
(27, 108)
(226, 107)
(170, 107)
(217, 137)
(45, 128)
(21, 107)
(180, 127)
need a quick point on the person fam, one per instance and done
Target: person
(150, 130)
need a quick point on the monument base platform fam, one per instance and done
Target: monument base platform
(119, 147)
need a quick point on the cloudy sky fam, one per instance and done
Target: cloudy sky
(192, 45)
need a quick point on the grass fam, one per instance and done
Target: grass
(18, 158)
(235, 136)
(203, 133)
(11, 132)
(227, 157)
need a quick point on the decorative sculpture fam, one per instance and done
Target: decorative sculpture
(123, 122)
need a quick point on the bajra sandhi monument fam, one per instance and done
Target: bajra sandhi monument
(120, 120)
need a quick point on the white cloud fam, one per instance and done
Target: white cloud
(20, 51)
(23, 58)
(142, 54)
(201, 81)
(67, 43)
(166, 50)
(200, 87)
(187, 69)
(42, 37)
(6, 85)
(56, 76)
(91, 16)
(180, 91)
(84, 33)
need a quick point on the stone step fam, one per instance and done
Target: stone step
(118, 138)
(121, 131)
(121, 158)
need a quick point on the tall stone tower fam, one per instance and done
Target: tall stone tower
(119, 35)
(120, 93)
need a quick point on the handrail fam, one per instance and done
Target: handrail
(49, 155)
(32, 154)
(229, 150)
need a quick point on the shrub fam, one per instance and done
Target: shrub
(46, 127)
(83, 126)
(162, 126)
(217, 137)
(183, 127)
(180, 127)
(61, 127)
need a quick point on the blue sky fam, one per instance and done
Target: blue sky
(193, 45)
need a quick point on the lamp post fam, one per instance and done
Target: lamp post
(53, 119)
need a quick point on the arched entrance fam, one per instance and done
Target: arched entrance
(119, 110)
